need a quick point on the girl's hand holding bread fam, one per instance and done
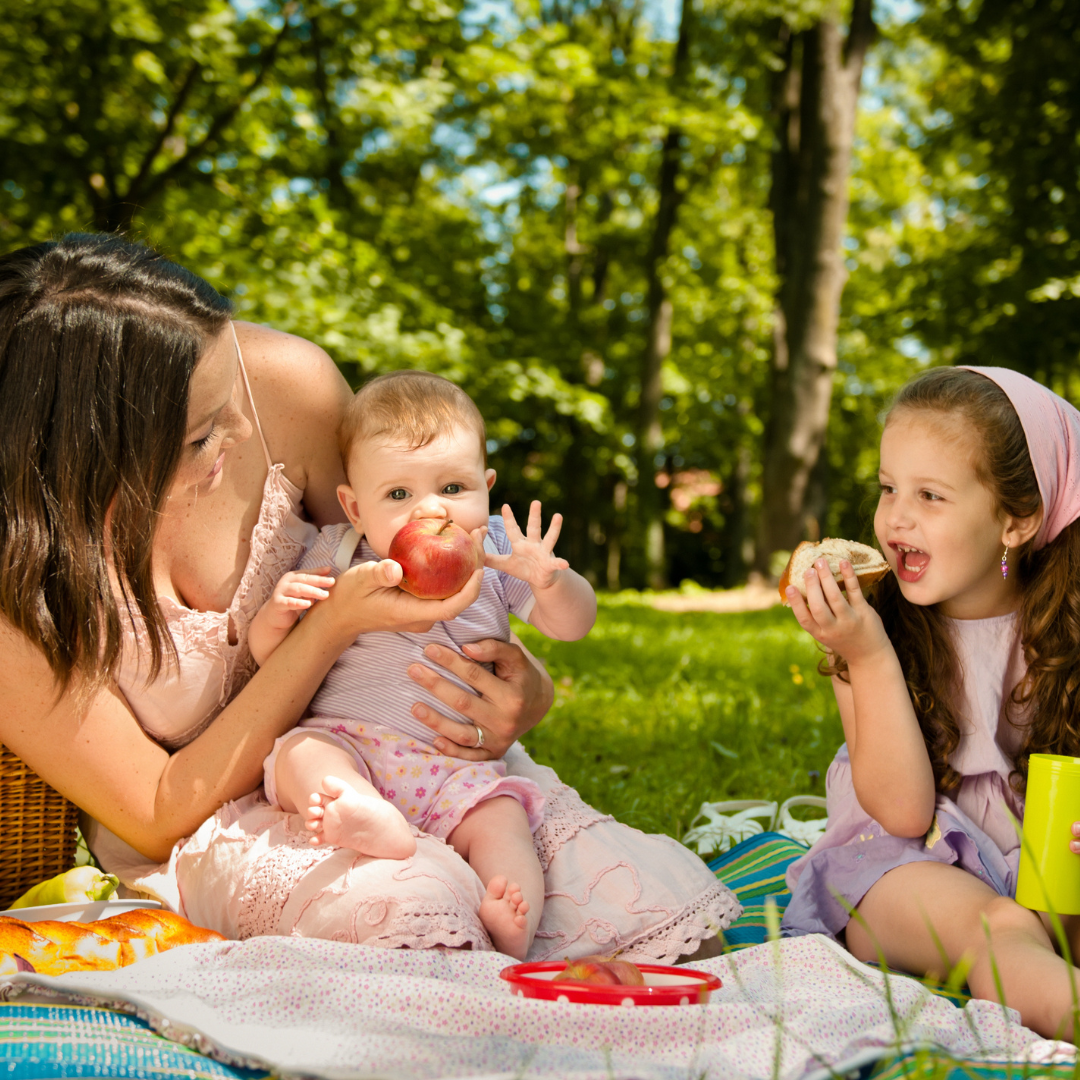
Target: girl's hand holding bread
(846, 625)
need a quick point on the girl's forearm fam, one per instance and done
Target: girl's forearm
(890, 766)
(565, 610)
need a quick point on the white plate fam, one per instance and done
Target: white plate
(87, 911)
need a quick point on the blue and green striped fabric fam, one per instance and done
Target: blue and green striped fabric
(924, 1065)
(49, 1042)
(754, 870)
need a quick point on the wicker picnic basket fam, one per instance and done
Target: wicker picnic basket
(37, 829)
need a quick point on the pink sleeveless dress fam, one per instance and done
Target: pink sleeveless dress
(973, 829)
(249, 869)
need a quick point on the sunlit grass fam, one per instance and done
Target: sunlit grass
(657, 712)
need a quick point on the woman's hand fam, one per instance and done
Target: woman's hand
(512, 700)
(846, 625)
(366, 597)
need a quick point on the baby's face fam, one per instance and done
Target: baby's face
(391, 484)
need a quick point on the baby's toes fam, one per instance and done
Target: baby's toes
(497, 888)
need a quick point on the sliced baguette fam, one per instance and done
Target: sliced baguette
(867, 562)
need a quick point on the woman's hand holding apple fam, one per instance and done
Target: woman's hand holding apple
(532, 557)
(366, 597)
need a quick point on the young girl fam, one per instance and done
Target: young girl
(964, 665)
(362, 769)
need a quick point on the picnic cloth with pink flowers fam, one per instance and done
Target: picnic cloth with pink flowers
(797, 1008)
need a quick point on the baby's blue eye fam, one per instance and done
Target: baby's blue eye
(399, 494)
(452, 489)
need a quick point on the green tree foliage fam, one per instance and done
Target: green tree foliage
(409, 186)
(999, 142)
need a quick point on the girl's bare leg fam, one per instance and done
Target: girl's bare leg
(494, 837)
(317, 778)
(900, 909)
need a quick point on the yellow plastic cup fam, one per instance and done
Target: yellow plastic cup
(1051, 806)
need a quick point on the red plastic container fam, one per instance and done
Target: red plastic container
(663, 986)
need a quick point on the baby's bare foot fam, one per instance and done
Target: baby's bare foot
(343, 817)
(503, 911)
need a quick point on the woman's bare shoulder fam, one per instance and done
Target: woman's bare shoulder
(292, 371)
(300, 396)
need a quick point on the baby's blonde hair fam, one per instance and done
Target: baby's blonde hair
(413, 407)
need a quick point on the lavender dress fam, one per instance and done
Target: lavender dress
(974, 829)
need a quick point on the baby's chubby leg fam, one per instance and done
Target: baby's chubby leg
(494, 837)
(318, 778)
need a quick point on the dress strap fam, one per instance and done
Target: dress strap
(251, 400)
(346, 549)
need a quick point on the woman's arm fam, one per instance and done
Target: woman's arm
(95, 753)
(890, 766)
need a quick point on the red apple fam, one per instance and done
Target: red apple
(586, 971)
(629, 973)
(601, 971)
(436, 556)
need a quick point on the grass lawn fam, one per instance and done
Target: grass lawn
(657, 712)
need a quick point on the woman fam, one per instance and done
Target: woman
(161, 467)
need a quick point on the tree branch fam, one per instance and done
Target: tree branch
(150, 157)
(222, 120)
(860, 36)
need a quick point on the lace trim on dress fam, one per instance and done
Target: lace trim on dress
(387, 921)
(714, 910)
(272, 878)
(416, 923)
(565, 815)
(681, 930)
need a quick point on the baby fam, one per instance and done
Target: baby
(361, 768)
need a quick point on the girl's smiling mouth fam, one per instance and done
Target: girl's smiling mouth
(911, 563)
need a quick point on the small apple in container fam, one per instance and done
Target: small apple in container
(601, 971)
(437, 557)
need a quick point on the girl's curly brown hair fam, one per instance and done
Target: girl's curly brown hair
(1049, 581)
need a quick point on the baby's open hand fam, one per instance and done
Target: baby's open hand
(295, 593)
(533, 557)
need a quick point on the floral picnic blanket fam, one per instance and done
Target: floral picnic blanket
(794, 1010)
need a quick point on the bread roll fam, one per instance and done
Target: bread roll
(867, 562)
(52, 948)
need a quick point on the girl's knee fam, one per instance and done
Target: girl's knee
(1003, 915)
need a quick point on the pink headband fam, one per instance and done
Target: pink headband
(1052, 429)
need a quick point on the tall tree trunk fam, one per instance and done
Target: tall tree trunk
(815, 100)
(650, 435)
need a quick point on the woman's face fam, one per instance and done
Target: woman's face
(215, 418)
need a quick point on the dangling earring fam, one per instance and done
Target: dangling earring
(1004, 563)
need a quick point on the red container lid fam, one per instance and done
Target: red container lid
(663, 986)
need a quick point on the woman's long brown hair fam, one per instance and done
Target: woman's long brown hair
(1049, 581)
(98, 341)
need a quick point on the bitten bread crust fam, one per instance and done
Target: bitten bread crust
(867, 562)
(52, 948)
